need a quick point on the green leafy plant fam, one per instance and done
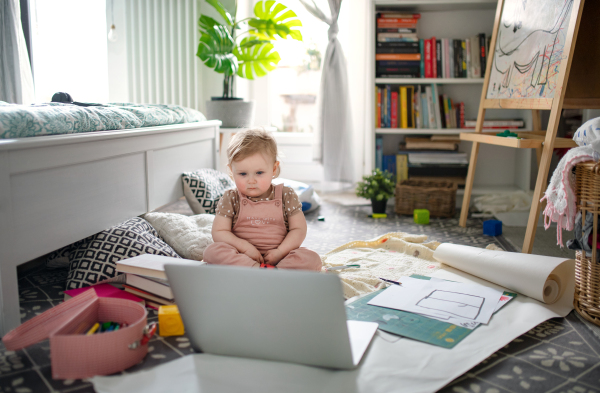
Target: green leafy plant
(248, 54)
(378, 186)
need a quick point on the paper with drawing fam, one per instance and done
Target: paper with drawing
(441, 299)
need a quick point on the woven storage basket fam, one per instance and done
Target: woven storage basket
(437, 197)
(587, 269)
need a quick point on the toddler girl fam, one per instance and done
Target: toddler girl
(258, 224)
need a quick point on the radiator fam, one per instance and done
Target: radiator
(162, 40)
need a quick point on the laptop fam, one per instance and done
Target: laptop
(280, 315)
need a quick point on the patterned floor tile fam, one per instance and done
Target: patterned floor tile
(559, 360)
(575, 387)
(62, 385)
(576, 340)
(30, 309)
(591, 378)
(472, 385)
(518, 376)
(26, 382)
(181, 343)
(519, 344)
(12, 362)
(39, 353)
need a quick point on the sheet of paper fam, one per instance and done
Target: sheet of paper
(441, 299)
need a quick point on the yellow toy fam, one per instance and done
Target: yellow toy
(169, 321)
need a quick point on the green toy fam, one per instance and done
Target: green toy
(421, 216)
(508, 134)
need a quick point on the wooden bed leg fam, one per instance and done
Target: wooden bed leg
(464, 211)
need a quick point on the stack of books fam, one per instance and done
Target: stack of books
(434, 158)
(145, 277)
(418, 106)
(454, 58)
(397, 54)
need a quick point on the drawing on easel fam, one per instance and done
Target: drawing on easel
(459, 304)
(529, 48)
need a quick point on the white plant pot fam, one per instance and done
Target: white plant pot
(233, 113)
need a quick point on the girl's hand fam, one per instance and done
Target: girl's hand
(272, 257)
(253, 253)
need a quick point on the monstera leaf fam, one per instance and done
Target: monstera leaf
(256, 58)
(274, 19)
(222, 11)
(216, 47)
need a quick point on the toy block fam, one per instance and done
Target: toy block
(169, 321)
(492, 227)
(421, 216)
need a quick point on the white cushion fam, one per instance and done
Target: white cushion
(187, 235)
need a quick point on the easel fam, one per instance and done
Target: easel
(579, 90)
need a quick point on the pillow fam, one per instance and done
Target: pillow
(306, 193)
(203, 189)
(95, 258)
(188, 235)
(588, 133)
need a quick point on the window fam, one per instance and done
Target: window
(69, 49)
(287, 97)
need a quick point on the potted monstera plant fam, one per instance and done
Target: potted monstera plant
(378, 187)
(243, 48)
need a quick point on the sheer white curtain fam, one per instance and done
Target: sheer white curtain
(334, 114)
(16, 79)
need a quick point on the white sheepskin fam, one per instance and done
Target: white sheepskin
(188, 235)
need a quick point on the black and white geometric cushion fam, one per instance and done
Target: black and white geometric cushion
(203, 189)
(95, 258)
(59, 259)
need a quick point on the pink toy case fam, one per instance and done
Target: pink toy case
(75, 355)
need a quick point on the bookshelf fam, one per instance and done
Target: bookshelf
(504, 169)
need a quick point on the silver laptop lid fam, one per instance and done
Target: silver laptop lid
(291, 316)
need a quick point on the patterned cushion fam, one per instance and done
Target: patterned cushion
(203, 189)
(95, 258)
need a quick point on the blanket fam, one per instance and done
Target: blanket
(390, 256)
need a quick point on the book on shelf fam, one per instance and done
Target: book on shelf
(395, 37)
(437, 170)
(394, 121)
(402, 30)
(398, 56)
(438, 157)
(389, 163)
(396, 15)
(482, 52)
(414, 143)
(156, 286)
(401, 167)
(379, 152)
(403, 107)
(150, 265)
(515, 123)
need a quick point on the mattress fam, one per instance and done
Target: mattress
(20, 121)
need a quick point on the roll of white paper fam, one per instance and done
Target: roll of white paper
(546, 279)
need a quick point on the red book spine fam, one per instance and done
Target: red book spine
(462, 114)
(398, 20)
(394, 109)
(434, 56)
(427, 60)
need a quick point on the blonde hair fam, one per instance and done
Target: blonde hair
(247, 143)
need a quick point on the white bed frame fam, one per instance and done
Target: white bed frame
(55, 190)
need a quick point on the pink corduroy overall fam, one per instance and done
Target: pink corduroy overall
(261, 223)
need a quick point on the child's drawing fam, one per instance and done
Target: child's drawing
(459, 304)
(529, 48)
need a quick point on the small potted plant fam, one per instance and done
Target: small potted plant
(378, 187)
(250, 54)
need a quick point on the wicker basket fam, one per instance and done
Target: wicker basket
(437, 197)
(587, 270)
(587, 288)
